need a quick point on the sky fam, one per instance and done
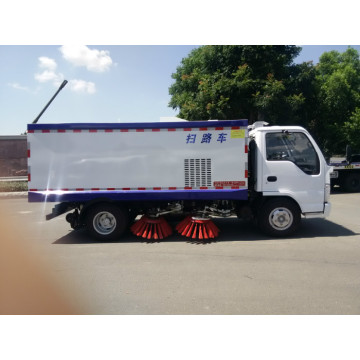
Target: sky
(118, 83)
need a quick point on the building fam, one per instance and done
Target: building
(13, 155)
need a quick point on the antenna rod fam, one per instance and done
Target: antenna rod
(47, 105)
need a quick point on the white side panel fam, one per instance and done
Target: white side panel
(133, 159)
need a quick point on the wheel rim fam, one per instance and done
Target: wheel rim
(281, 218)
(104, 223)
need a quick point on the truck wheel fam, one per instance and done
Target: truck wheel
(279, 217)
(352, 183)
(106, 222)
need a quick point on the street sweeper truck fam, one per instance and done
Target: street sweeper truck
(110, 177)
(105, 175)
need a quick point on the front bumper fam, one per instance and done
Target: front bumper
(327, 209)
(324, 214)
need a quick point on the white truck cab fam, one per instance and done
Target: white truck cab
(288, 164)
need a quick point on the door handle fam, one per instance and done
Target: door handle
(272, 178)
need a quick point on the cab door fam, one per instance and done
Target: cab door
(291, 166)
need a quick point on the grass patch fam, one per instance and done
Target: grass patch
(13, 186)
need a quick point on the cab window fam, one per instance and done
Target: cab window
(295, 147)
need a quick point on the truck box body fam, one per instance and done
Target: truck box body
(138, 161)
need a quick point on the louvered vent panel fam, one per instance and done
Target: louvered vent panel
(197, 172)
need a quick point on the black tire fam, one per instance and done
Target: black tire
(352, 183)
(106, 222)
(279, 217)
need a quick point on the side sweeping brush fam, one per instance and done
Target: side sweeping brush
(151, 228)
(198, 228)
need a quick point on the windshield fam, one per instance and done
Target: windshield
(294, 147)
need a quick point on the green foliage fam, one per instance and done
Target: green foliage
(338, 81)
(228, 82)
(352, 130)
(263, 83)
(11, 186)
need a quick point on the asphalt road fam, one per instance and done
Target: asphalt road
(243, 272)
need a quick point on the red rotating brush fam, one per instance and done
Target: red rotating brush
(197, 228)
(151, 228)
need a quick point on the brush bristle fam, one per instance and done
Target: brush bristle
(197, 228)
(151, 228)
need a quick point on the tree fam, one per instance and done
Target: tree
(338, 82)
(352, 130)
(228, 82)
